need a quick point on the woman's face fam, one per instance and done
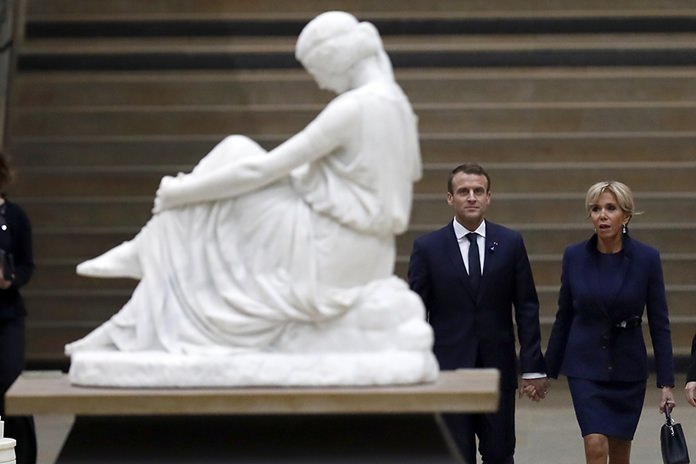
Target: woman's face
(607, 217)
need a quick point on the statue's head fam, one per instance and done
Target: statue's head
(333, 43)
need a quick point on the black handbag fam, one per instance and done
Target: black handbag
(672, 442)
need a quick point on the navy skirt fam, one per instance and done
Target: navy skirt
(609, 408)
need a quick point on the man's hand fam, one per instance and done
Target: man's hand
(535, 389)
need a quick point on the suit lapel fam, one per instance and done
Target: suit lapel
(492, 255)
(489, 252)
(455, 255)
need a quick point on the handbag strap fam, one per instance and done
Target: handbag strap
(669, 422)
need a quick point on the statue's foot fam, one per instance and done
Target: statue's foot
(97, 340)
(120, 261)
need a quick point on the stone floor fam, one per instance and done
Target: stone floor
(547, 432)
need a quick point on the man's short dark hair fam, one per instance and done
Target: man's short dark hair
(468, 168)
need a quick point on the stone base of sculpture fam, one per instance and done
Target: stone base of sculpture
(158, 369)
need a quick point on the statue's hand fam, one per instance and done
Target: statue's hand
(169, 193)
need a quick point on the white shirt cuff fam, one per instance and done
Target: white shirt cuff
(533, 375)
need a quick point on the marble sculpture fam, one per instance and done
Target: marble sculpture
(276, 267)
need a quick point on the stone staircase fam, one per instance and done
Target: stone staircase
(106, 97)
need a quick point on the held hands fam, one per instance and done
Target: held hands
(535, 389)
(667, 399)
(690, 390)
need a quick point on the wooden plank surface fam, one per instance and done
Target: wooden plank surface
(465, 390)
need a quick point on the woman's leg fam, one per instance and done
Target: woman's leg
(596, 448)
(619, 451)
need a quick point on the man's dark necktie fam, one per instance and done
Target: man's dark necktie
(474, 262)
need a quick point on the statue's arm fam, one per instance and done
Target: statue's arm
(329, 130)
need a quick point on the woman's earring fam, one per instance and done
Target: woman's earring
(624, 229)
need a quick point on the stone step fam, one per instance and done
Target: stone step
(562, 206)
(91, 307)
(411, 51)
(559, 211)
(537, 178)
(60, 274)
(75, 245)
(665, 217)
(646, 146)
(45, 182)
(441, 119)
(268, 87)
(445, 149)
(88, 212)
(48, 342)
(135, 9)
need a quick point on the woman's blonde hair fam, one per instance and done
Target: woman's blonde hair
(623, 194)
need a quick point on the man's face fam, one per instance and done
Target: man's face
(469, 199)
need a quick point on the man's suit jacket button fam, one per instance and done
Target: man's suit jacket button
(610, 368)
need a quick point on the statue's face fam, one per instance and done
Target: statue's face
(327, 80)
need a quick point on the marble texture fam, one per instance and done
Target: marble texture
(276, 267)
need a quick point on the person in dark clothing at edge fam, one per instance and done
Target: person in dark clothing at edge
(17, 266)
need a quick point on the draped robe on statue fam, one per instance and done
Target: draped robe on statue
(299, 256)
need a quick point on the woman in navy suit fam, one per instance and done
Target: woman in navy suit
(607, 284)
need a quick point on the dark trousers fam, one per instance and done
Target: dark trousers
(20, 428)
(495, 432)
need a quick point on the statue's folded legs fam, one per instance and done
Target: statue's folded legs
(123, 261)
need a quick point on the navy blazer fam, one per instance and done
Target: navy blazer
(585, 341)
(691, 370)
(466, 328)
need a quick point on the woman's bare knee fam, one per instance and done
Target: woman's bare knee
(596, 448)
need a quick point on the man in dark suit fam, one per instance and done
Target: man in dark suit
(470, 274)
